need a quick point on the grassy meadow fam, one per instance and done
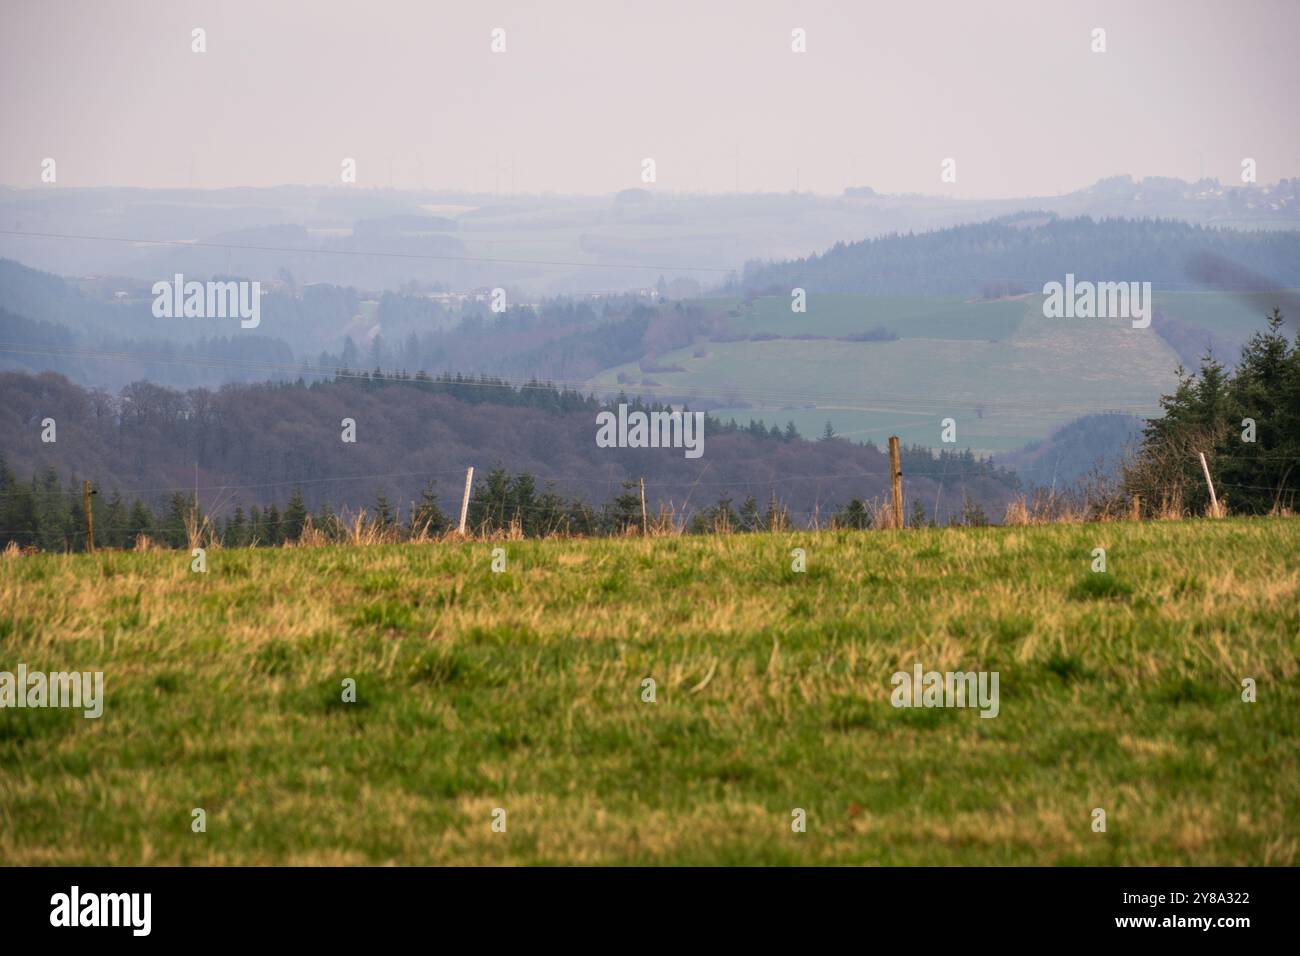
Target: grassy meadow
(522, 690)
(1006, 374)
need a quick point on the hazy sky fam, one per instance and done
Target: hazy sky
(708, 88)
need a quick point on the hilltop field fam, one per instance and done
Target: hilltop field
(523, 690)
(1004, 373)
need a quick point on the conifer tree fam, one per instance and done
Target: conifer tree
(295, 516)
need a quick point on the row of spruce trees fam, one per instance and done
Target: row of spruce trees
(48, 515)
(1245, 420)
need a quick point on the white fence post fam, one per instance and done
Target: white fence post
(464, 502)
(1214, 501)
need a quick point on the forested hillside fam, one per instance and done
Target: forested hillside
(1093, 443)
(414, 438)
(48, 324)
(1021, 253)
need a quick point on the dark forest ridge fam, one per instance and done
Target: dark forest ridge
(1021, 253)
(254, 444)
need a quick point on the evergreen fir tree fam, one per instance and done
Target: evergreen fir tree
(173, 527)
(972, 513)
(720, 519)
(327, 523)
(776, 518)
(854, 515)
(140, 522)
(236, 535)
(917, 520)
(523, 502)
(624, 510)
(295, 516)
(552, 517)
(427, 516)
(116, 523)
(384, 517)
(53, 515)
(274, 526)
(489, 503)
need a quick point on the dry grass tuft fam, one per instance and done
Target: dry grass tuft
(1017, 512)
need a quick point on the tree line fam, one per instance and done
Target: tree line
(962, 259)
(250, 444)
(1246, 421)
(48, 514)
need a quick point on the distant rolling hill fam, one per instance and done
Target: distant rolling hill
(1028, 250)
(902, 332)
(1005, 374)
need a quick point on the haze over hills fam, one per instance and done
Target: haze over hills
(928, 321)
(1018, 254)
(598, 243)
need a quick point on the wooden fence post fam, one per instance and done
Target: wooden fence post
(464, 502)
(1135, 509)
(90, 514)
(1214, 501)
(896, 479)
(645, 522)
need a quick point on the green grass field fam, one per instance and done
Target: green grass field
(1003, 372)
(522, 690)
(1006, 374)
(909, 317)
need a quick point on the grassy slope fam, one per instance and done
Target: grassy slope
(522, 690)
(1029, 375)
(1233, 316)
(926, 317)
